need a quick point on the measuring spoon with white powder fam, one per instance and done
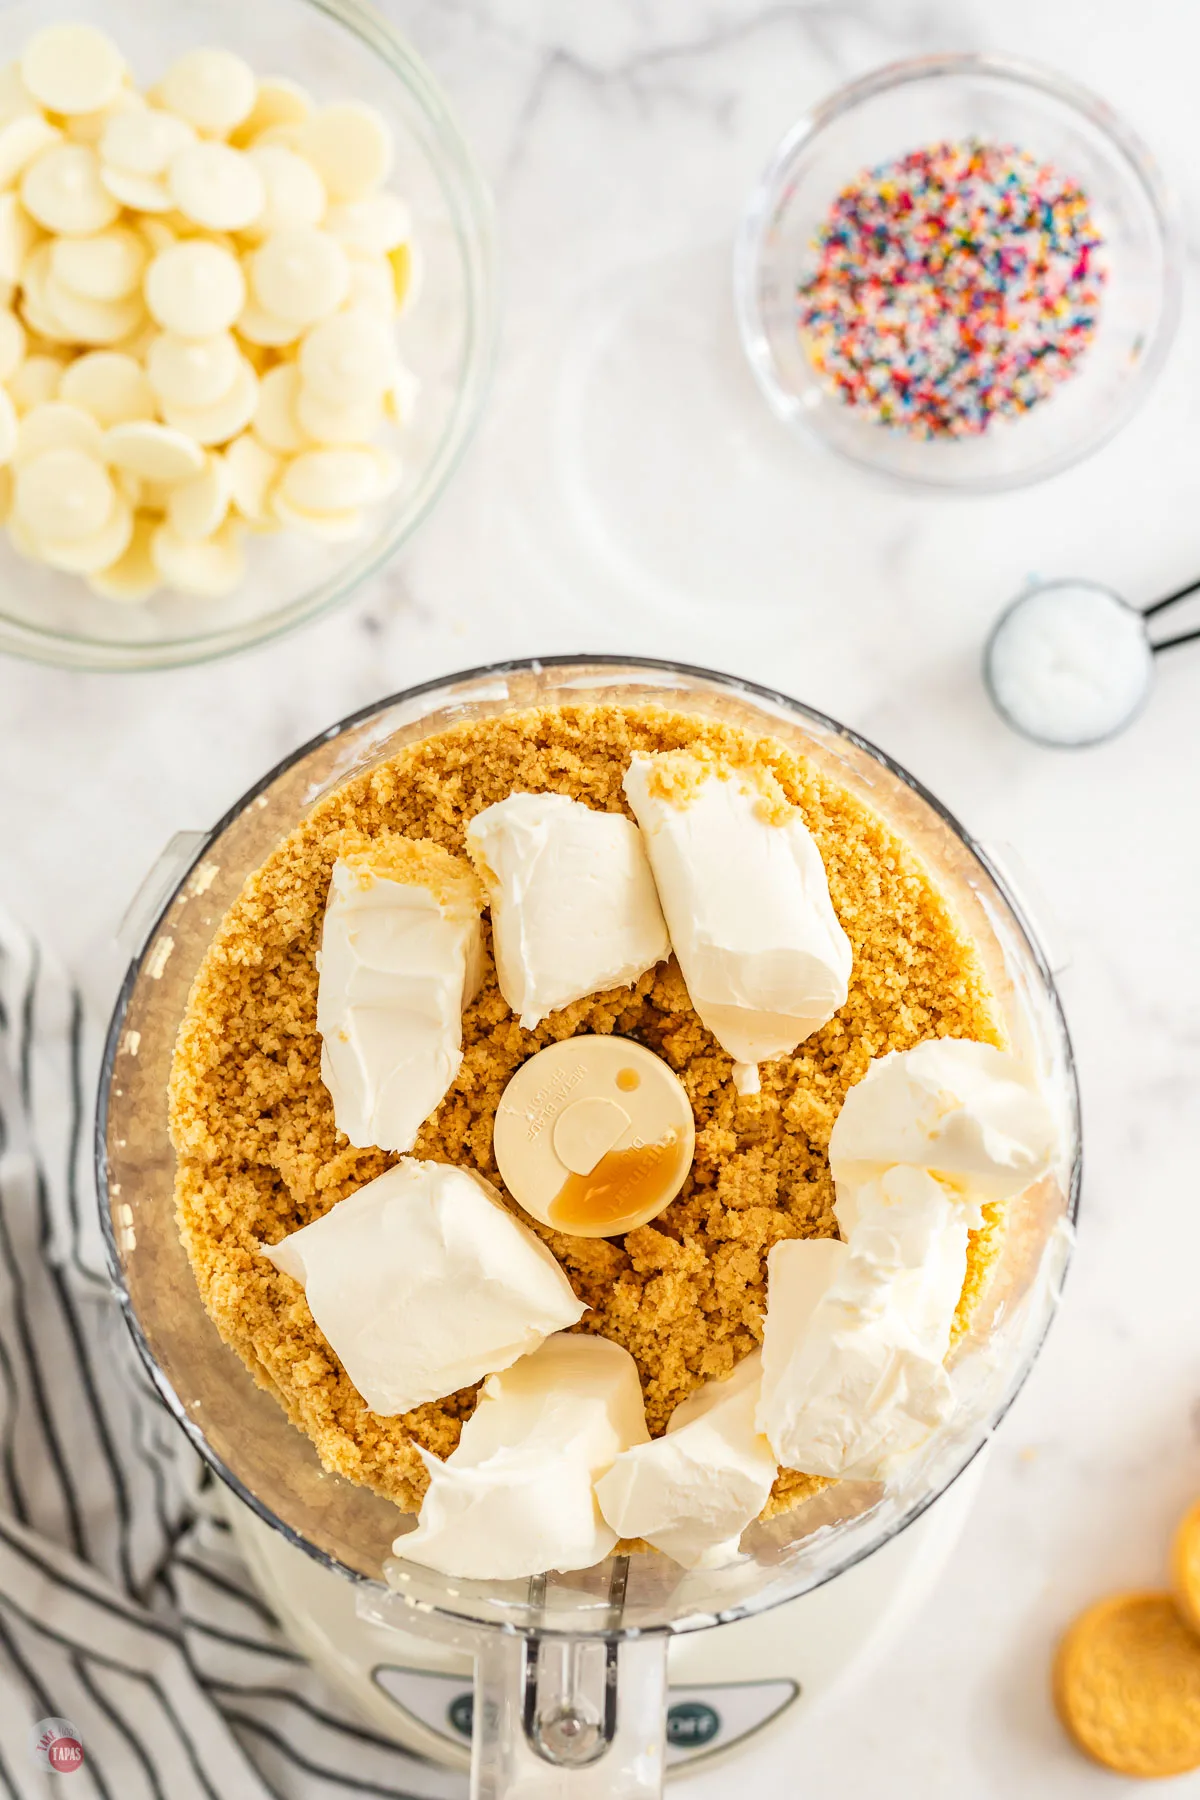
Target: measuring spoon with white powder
(1070, 663)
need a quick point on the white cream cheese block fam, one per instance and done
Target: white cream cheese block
(856, 1333)
(423, 1282)
(574, 908)
(747, 904)
(692, 1492)
(517, 1497)
(966, 1112)
(401, 956)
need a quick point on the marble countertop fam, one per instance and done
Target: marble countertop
(628, 492)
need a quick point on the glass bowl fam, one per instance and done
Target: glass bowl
(338, 49)
(904, 107)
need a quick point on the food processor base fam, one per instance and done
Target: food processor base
(726, 1685)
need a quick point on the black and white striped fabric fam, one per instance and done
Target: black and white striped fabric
(124, 1607)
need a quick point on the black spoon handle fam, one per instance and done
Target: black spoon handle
(1182, 593)
(1188, 637)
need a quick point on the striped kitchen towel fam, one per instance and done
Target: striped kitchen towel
(125, 1612)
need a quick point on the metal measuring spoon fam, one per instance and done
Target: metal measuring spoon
(1070, 663)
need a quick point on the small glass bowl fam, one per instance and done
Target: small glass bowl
(932, 99)
(339, 50)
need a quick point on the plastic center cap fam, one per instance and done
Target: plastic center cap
(594, 1136)
(587, 1130)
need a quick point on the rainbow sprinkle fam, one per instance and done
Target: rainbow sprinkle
(956, 284)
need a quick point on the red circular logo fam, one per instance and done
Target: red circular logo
(57, 1746)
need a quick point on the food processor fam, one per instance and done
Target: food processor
(570, 1693)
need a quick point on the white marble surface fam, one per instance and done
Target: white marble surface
(629, 493)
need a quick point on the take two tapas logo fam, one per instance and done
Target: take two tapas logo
(57, 1746)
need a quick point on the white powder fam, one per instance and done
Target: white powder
(1068, 663)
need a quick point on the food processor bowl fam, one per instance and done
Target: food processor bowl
(570, 1669)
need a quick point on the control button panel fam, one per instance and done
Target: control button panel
(701, 1720)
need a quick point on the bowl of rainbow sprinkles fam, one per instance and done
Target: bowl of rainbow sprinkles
(961, 272)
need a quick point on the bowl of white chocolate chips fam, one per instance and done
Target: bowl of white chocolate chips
(246, 321)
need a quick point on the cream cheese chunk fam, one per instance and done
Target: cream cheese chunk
(966, 1112)
(574, 908)
(423, 1282)
(517, 1497)
(856, 1333)
(692, 1492)
(401, 956)
(747, 904)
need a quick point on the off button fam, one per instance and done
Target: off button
(691, 1724)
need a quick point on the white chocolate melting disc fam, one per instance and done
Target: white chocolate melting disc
(330, 527)
(400, 401)
(220, 188)
(226, 417)
(293, 196)
(326, 424)
(57, 425)
(15, 97)
(72, 68)
(195, 289)
(301, 274)
(153, 451)
(192, 372)
(89, 127)
(93, 321)
(18, 235)
(143, 143)
(9, 422)
(133, 576)
(264, 330)
(36, 380)
(372, 286)
(214, 90)
(62, 190)
(34, 277)
(63, 495)
(322, 481)
(374, 225)
(12, 344)
(111, 386)
(141, 193)
(348, 359)
(197, 508)
(275, 421)
(84, 556)
(277, 102)
(350, 146)
(21, 140)
(252, 470)
(107, 266)
(209, 569)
